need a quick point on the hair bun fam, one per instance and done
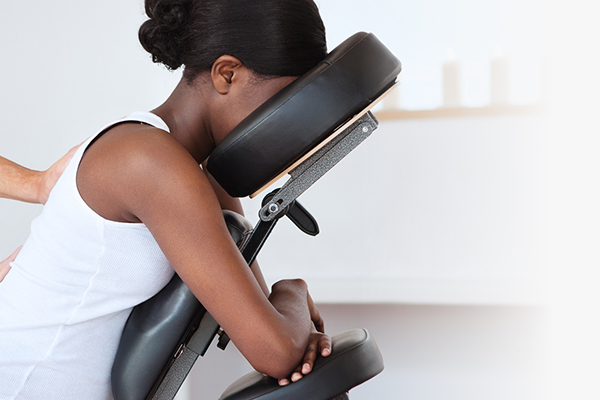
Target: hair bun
(170, 13)
(162, 35)
(270, 37)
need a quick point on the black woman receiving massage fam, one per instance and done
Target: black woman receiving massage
(134, 206)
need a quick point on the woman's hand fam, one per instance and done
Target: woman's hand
(318, 343)
(5, 265)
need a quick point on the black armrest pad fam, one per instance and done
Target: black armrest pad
(156, 328)
(354, 360)
(150, 337)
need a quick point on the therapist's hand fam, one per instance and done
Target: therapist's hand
(4, 265)
(49, 177)
(23, 184)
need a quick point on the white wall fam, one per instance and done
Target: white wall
(420, 33)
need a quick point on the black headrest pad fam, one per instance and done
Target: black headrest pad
(302, 114)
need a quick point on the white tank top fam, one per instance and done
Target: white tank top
(65, 301)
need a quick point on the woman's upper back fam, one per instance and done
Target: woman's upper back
(69, 293)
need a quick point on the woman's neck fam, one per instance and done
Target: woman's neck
(186, 113)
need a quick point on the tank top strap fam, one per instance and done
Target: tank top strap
(145, 117)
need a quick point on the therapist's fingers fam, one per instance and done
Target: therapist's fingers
(51, 175)
(5, 265)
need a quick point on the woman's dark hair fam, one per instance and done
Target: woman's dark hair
(271, 37)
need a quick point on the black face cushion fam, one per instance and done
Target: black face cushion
(303, 114)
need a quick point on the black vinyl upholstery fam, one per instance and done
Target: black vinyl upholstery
(151, 335)
(355, 359)
(157, 327)
(302, 114)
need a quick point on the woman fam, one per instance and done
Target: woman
(133, 207)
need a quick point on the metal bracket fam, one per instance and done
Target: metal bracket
(203, 337)
(315, 166)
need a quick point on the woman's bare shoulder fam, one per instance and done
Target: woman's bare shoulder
(128, 162)
(129, 143)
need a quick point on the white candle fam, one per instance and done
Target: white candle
(499, 81)
(451, 81)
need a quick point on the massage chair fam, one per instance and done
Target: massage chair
(303, 130)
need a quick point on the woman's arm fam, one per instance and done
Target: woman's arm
(319, 343)
(233, 204)
(142, 174)
(20, 183)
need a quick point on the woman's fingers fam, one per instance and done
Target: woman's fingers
(325, 345)
(315, 316)
(322, 346)
(310, 354)
(283, 382)
(297, 374)
(5, 265)
(319, 343)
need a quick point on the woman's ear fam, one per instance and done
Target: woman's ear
(225, 71)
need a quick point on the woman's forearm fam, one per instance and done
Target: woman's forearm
(18, 182)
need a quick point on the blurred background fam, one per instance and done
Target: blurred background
(462, 234)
